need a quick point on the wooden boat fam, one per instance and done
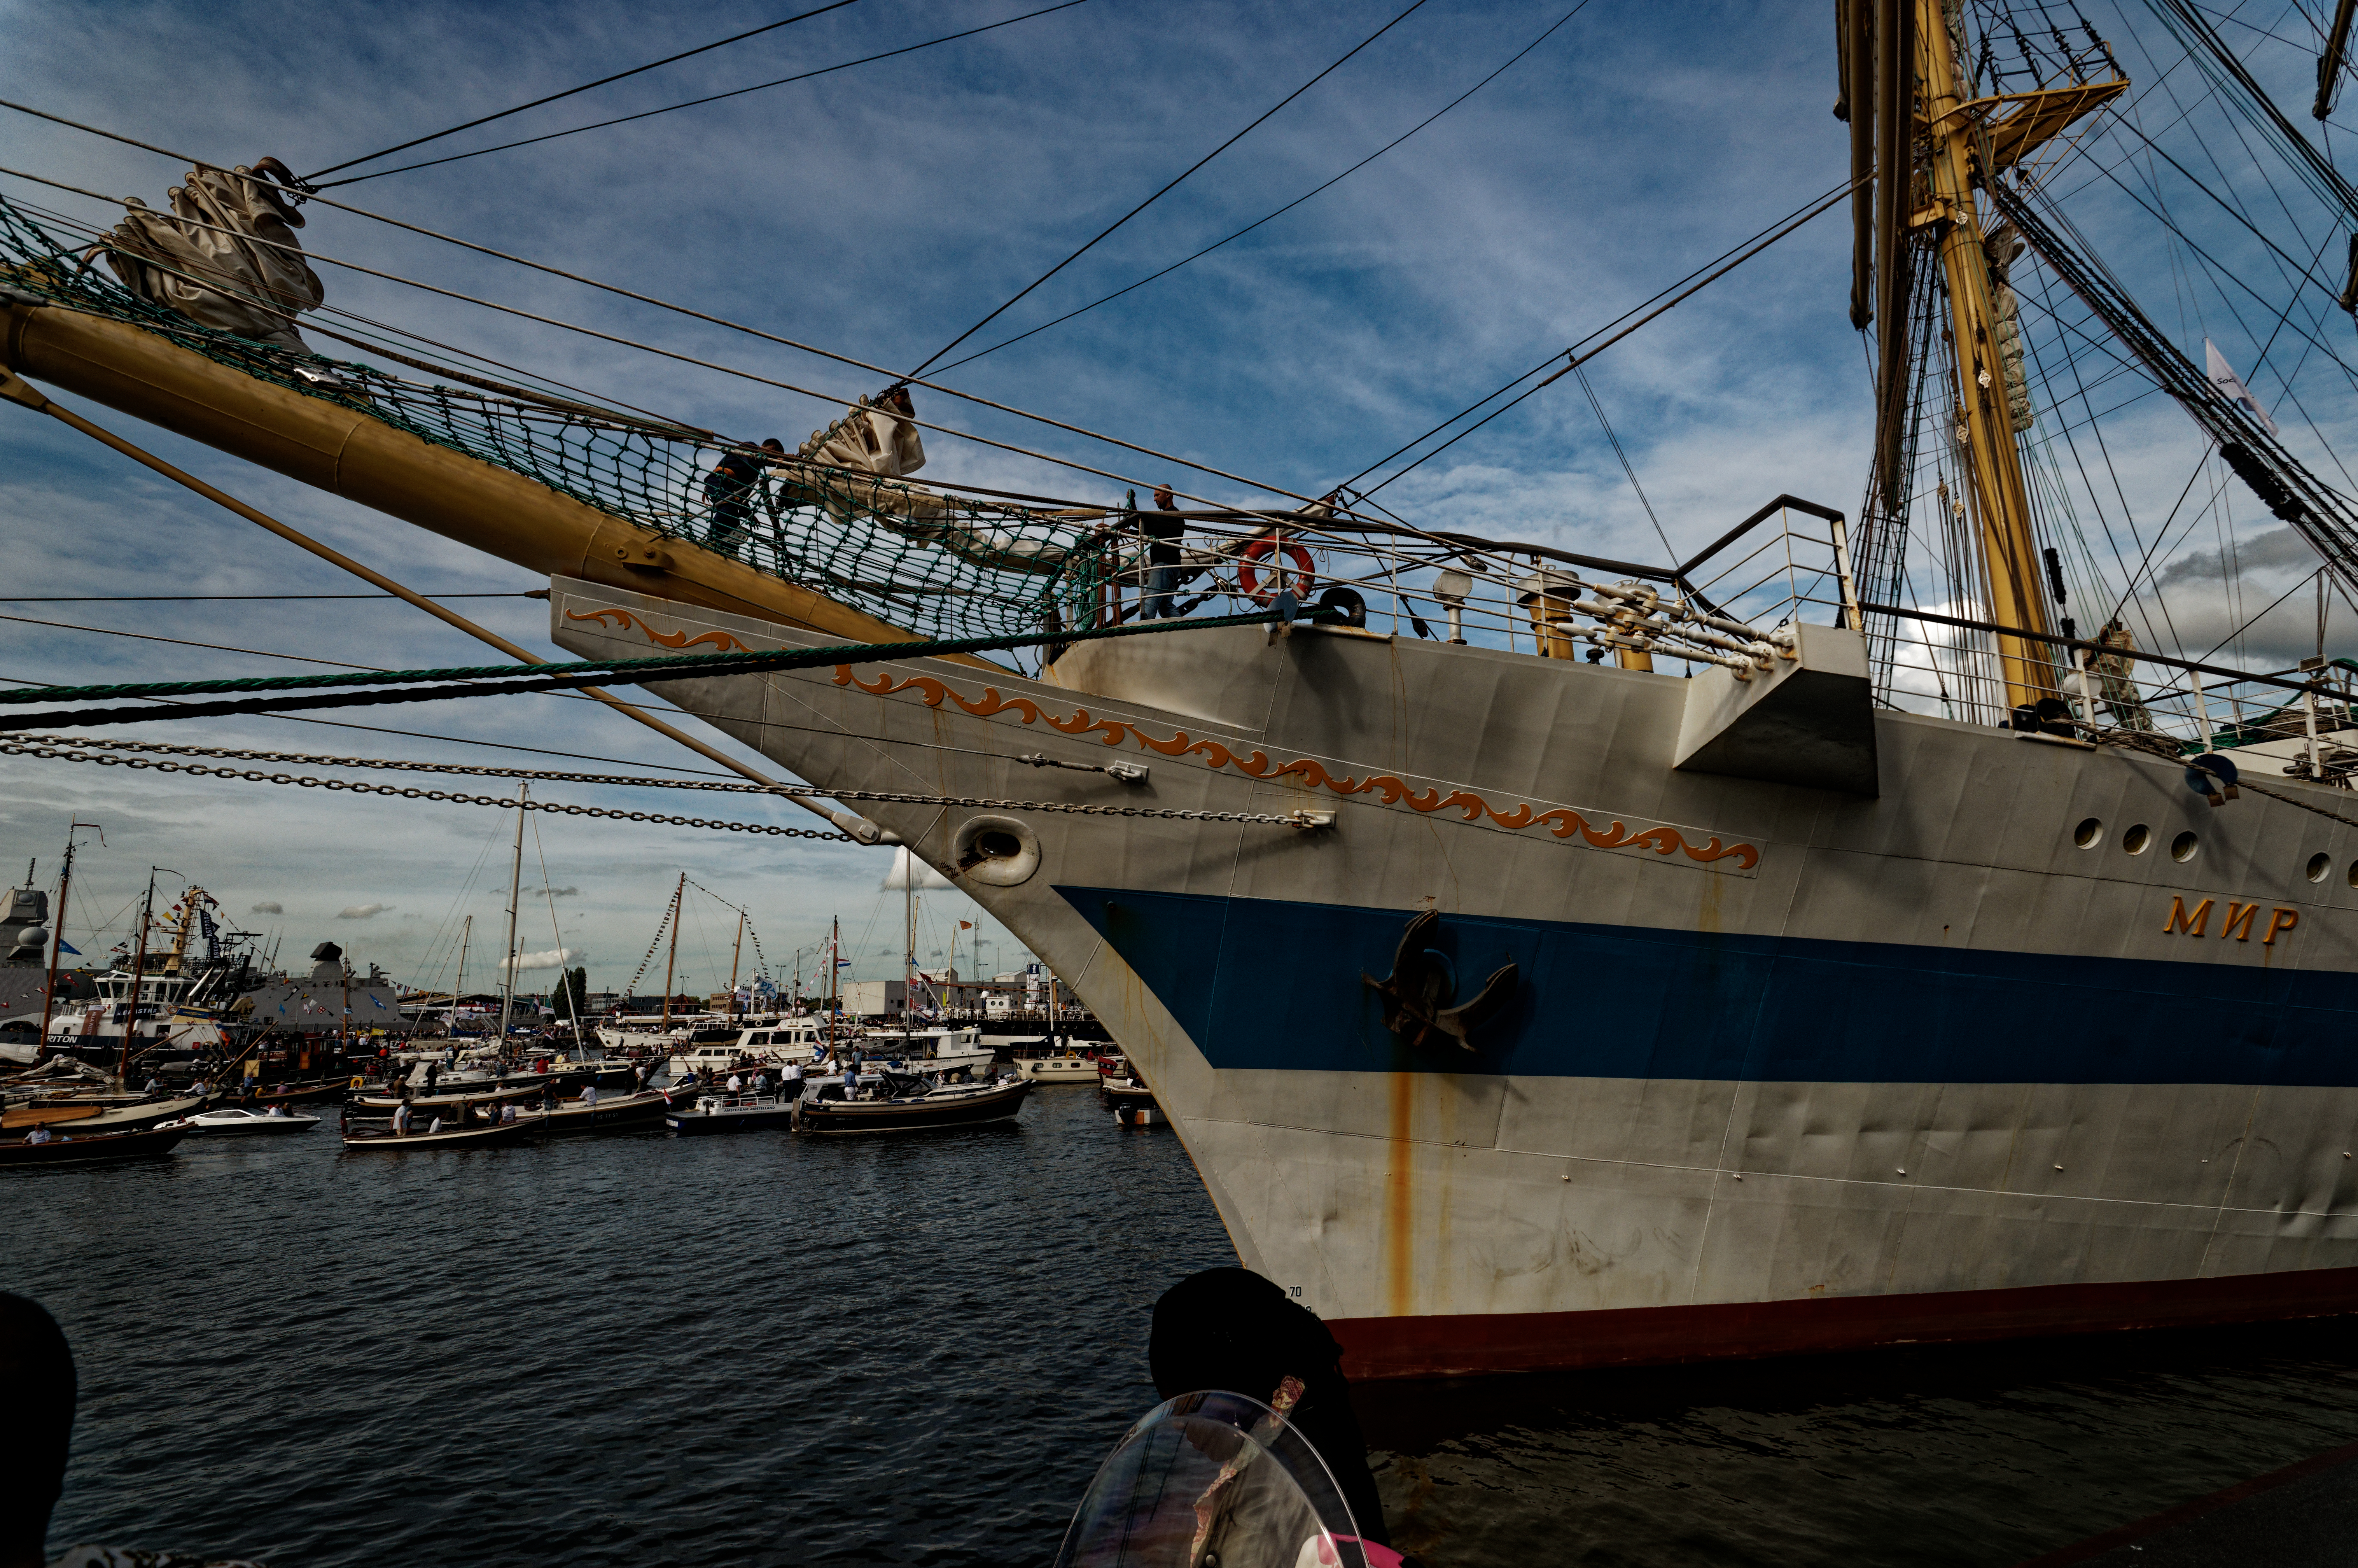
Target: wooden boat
(78, 1149)
(322, 1093)
(489, 1093)
(23, 1118)
(105, 1116)
(235, 1122)
(380, 1136)
(934, 1106)
(616, 1113)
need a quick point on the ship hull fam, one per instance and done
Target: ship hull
(1772, 1068)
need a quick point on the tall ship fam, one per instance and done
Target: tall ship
(1856, 933)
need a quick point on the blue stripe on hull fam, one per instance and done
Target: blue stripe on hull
(1273, 984)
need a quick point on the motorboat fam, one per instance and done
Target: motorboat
(1037, 1062)
(236, 1121)
(902, 1104)
(1132, 1102)
(763, 1042)
(928, 1049)
(86, 1148)
(739, 1113)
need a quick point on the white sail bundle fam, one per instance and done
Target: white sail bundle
(204, 260)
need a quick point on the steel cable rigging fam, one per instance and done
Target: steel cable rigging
(1191, 169)
(694, 102)
(570, 92)
(1269, 217)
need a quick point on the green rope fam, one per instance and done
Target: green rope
(685, 664)
(466, 682)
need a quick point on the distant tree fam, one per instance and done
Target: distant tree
(572, 998)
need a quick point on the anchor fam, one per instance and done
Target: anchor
(1417, 995)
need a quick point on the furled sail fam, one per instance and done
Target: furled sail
(202, 262)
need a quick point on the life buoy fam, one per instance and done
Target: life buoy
(356, 1082)
(1249, 580)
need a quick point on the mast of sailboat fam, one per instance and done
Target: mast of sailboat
(909, 953)
(515, 897)
(458, 988)
(672, 962)
(138, 972)
(58, 930)
(735, 954)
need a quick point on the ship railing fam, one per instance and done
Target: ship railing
(1731, 605)
(1945, 660)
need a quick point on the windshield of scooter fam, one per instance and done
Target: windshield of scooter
(1212, 1480)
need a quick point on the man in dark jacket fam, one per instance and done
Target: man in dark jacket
(725, 488)
(1162, 528)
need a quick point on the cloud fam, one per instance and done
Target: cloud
(268, 906)
(2275, 551)
(362, 911)
(553, 958)
(897, 878)
(559, 893)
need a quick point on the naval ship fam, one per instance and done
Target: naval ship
(1548, 960)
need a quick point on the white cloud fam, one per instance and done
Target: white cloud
(267, 906)
(553, 958)
(362, 911)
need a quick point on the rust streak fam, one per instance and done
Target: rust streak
(1400, 1200)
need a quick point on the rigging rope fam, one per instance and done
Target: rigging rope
(694, 102)
(1575, 359)
(1249, 228)
(681, 666)
(570, 92)
(2317, 512)
(1191, 169)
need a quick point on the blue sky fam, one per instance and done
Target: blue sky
(880, 212)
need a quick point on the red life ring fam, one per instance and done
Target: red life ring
(1249, 580)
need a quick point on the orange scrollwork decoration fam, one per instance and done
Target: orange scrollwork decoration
(1562, 822)
(622, 620)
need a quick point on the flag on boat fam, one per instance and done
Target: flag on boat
(66, 946)
(2230, 386)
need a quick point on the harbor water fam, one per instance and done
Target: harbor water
(771, 1349)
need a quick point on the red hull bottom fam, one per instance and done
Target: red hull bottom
(1476, 1343)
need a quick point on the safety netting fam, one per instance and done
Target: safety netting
(935, 564)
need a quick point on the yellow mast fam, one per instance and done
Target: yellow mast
(1993, 461)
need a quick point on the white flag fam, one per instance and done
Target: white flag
(2230, 386)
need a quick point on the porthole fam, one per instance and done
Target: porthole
(2136, 840)
(2089, 833)
(2320, 867)
(2182, 847)
(2353, 873)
